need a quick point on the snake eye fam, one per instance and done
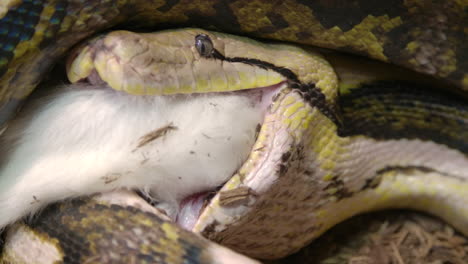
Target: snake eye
(204, 45)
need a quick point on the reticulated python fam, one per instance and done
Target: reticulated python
(427, 38)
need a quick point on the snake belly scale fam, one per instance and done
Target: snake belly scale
(344, 168)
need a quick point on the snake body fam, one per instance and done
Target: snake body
(319, 174)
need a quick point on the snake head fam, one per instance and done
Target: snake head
(198, 61)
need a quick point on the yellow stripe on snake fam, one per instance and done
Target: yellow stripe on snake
(328, 149)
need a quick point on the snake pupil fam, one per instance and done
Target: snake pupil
(204, 45)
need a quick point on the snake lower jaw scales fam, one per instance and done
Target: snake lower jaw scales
(187, 210)
(211, 135)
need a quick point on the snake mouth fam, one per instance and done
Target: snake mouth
(193, 205)
(188, 208)
(276, 94)
(258, 95)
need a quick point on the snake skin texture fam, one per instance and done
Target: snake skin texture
(135, 233)
(425, 36)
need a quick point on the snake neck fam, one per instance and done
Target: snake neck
(396, 153)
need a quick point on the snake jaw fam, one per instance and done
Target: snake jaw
(109, 60)
(287, 119)
(206, 136)
(146, 64)
(192, 206)
(276, 168)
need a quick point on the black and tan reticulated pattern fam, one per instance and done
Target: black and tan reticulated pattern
(404, 110)
(91, 232)
(424, 35)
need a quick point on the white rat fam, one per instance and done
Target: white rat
(82, 139)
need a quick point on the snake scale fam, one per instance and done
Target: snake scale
(422, 35)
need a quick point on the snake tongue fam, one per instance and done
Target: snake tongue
(190, 209)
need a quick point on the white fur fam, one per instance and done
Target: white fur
(81, 137)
